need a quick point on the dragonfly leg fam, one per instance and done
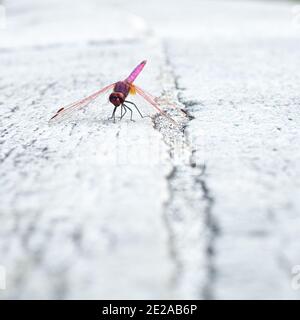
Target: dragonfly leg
(121, 116)
(113, 116)
(125, 110)
(136, 109)
(131, 113)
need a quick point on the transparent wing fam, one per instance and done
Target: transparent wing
(66, 111)
(157, 103)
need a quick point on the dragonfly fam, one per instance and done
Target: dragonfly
(118, 98)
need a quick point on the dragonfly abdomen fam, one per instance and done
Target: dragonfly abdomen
(136, 72)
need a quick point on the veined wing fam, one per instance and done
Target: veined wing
(64, 112)
(156, 103)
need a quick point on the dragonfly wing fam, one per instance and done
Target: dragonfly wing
(151, 99)
(69, 109)
(163, 101)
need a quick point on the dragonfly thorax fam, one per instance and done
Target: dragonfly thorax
(116, 98)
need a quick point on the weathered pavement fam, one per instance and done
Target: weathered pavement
(92, 209)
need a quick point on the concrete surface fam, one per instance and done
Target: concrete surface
(90, 209)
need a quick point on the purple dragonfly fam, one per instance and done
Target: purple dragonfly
(118, 97)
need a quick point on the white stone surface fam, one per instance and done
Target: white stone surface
(95, 209)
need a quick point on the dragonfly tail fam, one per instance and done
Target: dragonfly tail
(136, 72)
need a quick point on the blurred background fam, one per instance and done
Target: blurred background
(208, 209)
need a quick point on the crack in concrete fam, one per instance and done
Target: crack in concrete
(212, 233)
(172, 239)
(195, 175)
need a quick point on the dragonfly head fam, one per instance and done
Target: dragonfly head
(116, 98)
